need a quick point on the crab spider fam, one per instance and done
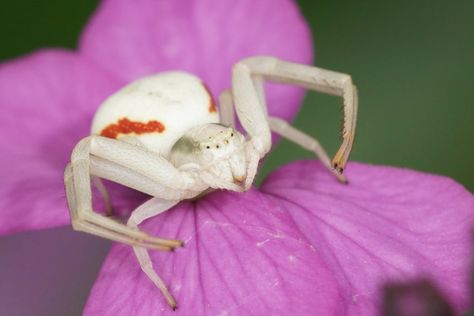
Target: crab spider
(162, 135)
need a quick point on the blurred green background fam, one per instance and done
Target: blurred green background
(413, 62)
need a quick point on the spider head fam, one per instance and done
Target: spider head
(215, 148)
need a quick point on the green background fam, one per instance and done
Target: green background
(413, 62)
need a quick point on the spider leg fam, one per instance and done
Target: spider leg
(149, 209)
(136, 158)
(228, 119)
(253, 158)
(78, 187)
(79, 223)
(248, 92)
(226, 108)
(284, 129)
(99, 184)
(106, 169)
(293, 134)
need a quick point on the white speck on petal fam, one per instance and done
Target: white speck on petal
(176, 286)
(355, 297)
(261, 243)
(277, 235)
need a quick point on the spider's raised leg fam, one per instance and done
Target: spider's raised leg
(250, 106)
(285, 129)
(226, 108)
(91, 158)
(291, 133)
(149, 209)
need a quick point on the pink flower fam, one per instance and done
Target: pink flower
(301, 244)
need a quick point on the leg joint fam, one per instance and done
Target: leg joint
(258, 65)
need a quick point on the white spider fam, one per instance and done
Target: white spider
(164, 137)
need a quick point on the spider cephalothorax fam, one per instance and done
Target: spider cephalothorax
(162, 135)
(215, 148)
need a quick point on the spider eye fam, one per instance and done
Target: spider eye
(231, 134)
(208, 147)
(217, 146)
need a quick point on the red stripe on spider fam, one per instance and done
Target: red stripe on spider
(125, 126)
(212, 105)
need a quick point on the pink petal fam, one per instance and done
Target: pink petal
(48, 99)
(243, 256)
(206, 37)
(387, 224)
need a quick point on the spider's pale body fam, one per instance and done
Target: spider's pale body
(162, 135)
(214, 147)
(157, 110)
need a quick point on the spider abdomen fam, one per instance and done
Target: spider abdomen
(158, 110)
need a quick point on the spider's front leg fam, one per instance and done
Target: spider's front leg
(281, 127)
(128, 165)
(250, 105)
(252, 154)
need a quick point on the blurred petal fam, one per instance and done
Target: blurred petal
(47, 100)
(206, 37)
(387, 224)
(418, 298)
(243, 256)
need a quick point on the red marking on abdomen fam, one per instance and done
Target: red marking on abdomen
(125, 126)
(212, 105)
